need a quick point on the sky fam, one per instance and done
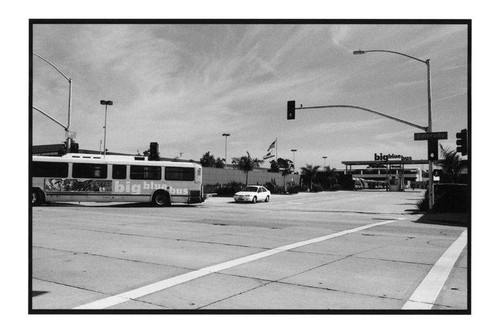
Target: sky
(184, 85)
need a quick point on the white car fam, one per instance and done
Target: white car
(253, 193)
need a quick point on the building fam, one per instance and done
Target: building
(393, 172)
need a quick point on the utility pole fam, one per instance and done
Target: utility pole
(105, 103)
(225, 149)
(428, 129)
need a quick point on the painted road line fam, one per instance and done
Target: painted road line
(161, 285)
(425, 295)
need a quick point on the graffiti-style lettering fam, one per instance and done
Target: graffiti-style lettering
(145, 187)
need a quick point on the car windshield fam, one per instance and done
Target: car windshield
(249, 189)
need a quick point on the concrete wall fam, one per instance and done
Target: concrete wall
(213, 176)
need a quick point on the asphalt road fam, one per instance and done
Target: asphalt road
(323, 251)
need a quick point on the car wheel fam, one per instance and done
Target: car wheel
(254, 200)
(267, 199)
(161, 199)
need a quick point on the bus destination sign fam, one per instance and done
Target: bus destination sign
(431, 136)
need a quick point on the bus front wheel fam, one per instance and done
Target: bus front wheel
(161, 199)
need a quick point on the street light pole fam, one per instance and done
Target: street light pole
(429, 127)
(68, 139)
(324, 162)
(105, 103)
(225, 149)
(293, 151)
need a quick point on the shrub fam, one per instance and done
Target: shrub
(451, 198)
(228, 190)
(336, 187)
(316, 188)
(210, 188)
(271, 186)
(423, 204)
(294, 189)
(448, 198)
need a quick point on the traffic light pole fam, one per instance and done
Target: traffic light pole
(364, 109)
(428, 129)
(68, 138)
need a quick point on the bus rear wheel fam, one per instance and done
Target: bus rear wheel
(161, 199)
(36, 197)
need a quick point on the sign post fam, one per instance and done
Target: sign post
(432, 139)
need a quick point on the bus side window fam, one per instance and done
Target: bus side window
(145, 172)
(85, 170)
(119, 171)
(50, 169)
(177, 173)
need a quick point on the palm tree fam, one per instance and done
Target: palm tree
(286, 167)
(330, 176)
(451, 164)
(246, 164)
(309, 173)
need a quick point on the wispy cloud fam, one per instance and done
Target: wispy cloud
(185, 85)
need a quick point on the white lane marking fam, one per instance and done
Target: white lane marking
(161, 285)
(425, 295)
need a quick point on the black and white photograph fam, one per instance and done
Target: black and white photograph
(250, 166)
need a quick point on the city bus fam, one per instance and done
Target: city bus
(114, 178)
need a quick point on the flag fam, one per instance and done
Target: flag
(271, 150)
(272, 145)
(268, 155)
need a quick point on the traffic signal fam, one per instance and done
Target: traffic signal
(462, 142)
(154, 153)
(432, 150)
(290, 114)
(74, 147)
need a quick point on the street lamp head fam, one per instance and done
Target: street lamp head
(103, 102)
(226, 134)
(358, 52)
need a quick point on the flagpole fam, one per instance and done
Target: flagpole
(276, 149)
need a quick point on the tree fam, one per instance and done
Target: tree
(286, 167)
(219, 163)
(451, 164)
(246, 164)
(274, 166)
(309, 173)
(209, 161)
(330, 176)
